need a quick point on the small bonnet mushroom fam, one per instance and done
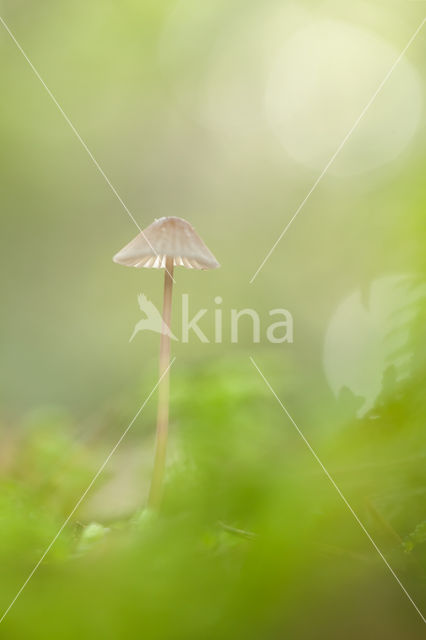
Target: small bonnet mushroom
(166, 243)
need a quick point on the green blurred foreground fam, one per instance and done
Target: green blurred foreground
(251, 535)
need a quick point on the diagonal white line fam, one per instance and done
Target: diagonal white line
(338, 491)
(338, 150)
(72, 127)
(79, 138)
(92, 482)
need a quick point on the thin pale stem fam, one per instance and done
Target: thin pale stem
(156, 489)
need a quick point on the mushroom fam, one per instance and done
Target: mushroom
(166, 243)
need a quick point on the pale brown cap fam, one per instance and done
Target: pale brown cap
(167, 237)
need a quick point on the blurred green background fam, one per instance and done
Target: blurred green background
(224, 113)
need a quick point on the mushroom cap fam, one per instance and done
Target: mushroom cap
(167, 238)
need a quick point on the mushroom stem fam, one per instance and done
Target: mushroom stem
(156, 488)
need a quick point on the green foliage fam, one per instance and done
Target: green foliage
(250, 529)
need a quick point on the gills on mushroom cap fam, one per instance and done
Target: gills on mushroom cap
(167, 237)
